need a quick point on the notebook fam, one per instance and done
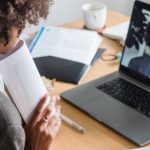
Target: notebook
(63, 69)
(63, 53)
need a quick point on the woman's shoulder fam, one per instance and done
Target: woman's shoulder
(9, 115)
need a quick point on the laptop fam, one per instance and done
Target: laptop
(121, 100)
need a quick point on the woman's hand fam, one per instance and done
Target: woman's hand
(44, 125)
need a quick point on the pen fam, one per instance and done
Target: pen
(72, 123)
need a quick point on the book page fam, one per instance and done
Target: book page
(23, 81)
(71, 44)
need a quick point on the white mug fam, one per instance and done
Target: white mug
(94, 15)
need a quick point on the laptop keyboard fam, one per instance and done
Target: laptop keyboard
(128, 93)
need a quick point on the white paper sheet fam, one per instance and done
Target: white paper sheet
(117, 32)
(23, 81)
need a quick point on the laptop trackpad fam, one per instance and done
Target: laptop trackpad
(109, 110)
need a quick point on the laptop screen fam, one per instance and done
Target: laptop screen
(136, 54)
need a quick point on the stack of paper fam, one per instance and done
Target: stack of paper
(118, 32)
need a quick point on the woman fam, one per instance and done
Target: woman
(42, 129)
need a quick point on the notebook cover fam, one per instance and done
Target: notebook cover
(62, 69)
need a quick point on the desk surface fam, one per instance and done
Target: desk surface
(97, 136)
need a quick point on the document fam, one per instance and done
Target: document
(70, 44)
(22, 80)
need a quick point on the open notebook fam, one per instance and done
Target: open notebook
(65, 54)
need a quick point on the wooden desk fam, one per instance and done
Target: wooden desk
(97, 135)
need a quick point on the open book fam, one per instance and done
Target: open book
(22, 80)
(64, 53)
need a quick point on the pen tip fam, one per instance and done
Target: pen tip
(82, 130)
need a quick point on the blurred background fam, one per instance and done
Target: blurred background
(67, 10)
(64, 11)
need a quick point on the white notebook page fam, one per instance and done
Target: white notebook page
(71, 44)
(23, 81)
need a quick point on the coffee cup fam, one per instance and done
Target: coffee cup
(94, 15)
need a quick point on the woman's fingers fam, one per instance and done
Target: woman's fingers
(49, 88)
(49, 112)
(56, 99)
(40, 108)
(53, 126)
(49, 115)
(49, 126)
(45, 122)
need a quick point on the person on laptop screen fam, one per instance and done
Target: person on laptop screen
(137, 50)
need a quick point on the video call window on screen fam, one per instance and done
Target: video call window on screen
(136, 55)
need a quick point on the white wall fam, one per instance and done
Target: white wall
(67, 10)
(64, 11)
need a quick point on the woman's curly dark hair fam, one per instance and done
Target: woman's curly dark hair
(19, 12)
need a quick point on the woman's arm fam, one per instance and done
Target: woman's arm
(12, 135)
